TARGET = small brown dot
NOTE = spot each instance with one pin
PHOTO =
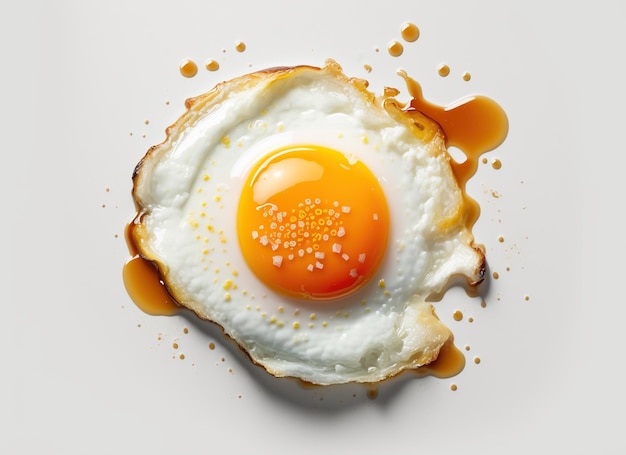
(467, 347)
(147, 122)
(500, 239)
(457, 315)
(495, 275)
(185, 330)
(527, 297)
(496, 164)
(175, 345)
(476, 360)
(466, 76)
(453, 387)
(211, 346)
(240, 46)
(181, 357)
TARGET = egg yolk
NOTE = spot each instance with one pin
(311, 223)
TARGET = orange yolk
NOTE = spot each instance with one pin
(311, 224)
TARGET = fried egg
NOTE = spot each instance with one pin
(311, 220)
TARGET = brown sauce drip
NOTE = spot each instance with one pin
(144, 284)
(449, 363)
(474, 124)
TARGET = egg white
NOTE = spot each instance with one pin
(188, 187)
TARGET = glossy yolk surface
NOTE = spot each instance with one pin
(311, 224)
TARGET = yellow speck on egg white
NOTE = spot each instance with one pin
(226, 141)
(273, 320)
(228, 284)
(381, 284)
(227, 296)
(210, 228)
(313, 316)
(296, 325)
(206, 177)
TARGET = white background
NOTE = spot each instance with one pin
(84, 371)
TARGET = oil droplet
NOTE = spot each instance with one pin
(211, 346)
(467, 347)
(453, 387)
(495, 275)
(484, 160)
(188, 68)
(175, 345)
(240, 46)
(476, 360)
(410, 32)
(146, 122)
(470, 320)
(443, 70)
(526, 297)
(496, 163)
(395, 48)
(500, 239)
(466, 76)
(212, 65)
(368, 68)
(483, 304)
(458, 315)
(185, 330)
(182, 357)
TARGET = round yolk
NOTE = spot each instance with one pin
(312, 224)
